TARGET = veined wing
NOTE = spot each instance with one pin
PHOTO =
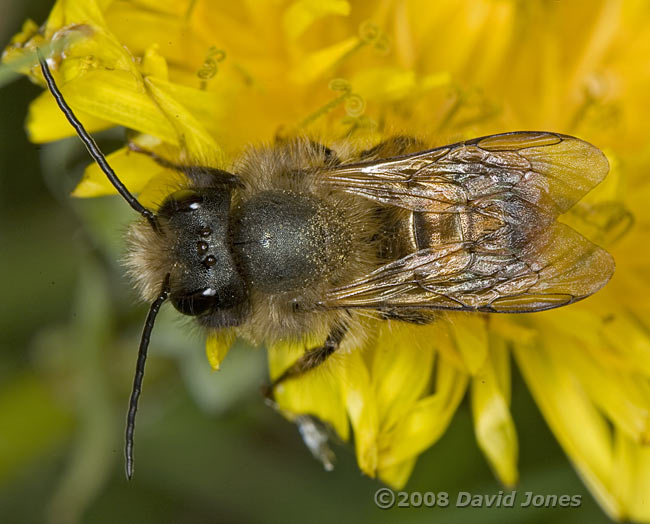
(548, 170)
(495, 245)
(559, 268)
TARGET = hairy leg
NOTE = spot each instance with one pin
(311, 359)
(330, 156)
(412, 316)
(204, 176)
(393, 146)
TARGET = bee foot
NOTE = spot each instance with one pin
(315, 435)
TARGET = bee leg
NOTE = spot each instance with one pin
(316, 435)
(394, 146)
(331, 158)
(311, 359)
(412, 316)
(202, 176)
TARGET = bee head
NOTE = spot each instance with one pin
(193, 247)
(204, 277)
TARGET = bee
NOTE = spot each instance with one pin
(302, 238)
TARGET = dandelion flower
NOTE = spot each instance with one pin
(207, 77)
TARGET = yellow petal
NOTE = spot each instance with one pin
(210, 110)
(435, 80)
(396, 476)
(17, 55)
(160, 186)
(358, 395)
(46, 122)
(470, 333)
(384, 84)
(192, 135)
(508, 327)
(217, 346)
(427, 420)
(170, 7)
(303, 13)
(622, 396)
(402, 363)
(154, 64)
(440, 333)
(140, 28)
(493, 424)
(28, 31)
(66, 12)
(610, 376)
(628, 336)
(316, 64)
(119, 97)
(134, 170)
(632, 473)
(580, 429)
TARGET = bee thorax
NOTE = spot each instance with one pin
(286, 240)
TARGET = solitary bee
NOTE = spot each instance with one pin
(302, 238)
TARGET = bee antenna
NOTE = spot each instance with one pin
(139, 375)
(91, 145)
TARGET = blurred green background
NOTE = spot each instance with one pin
(207, 448)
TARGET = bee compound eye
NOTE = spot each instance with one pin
(181, 202)
(196, 303)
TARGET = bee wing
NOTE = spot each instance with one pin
(490, 204)
(559, 268)
(548, 170)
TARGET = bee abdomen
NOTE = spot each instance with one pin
(493, 225)
(434, 229)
